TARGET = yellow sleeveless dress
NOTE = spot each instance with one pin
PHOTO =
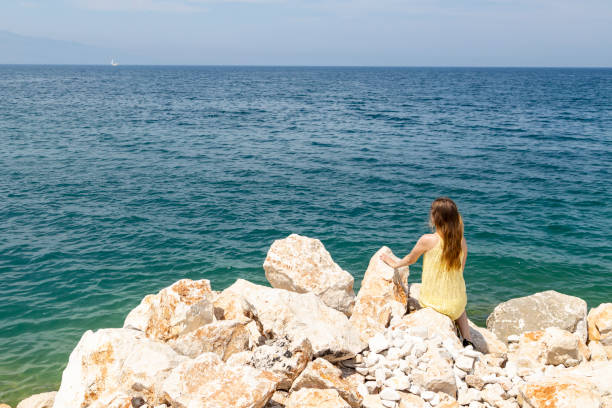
(442, 290)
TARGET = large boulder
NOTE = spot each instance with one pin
(115, 360)
(207, 382)
(224, 338)
(537, 312)
(436, 324)
(301, 264)
(44, 400)
(600, 326)
(552, 346)
(298, 316)
(321, 374)
(316, 398)
(560, 392)
(178, 309)
(382, 297)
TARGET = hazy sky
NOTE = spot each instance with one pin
(327, 32)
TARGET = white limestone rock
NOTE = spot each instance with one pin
(378, 343)
(438, 326)
(382, 297)
(564, 392)
(224, 337)
(115, 360)
(398, 382)
(537, 312)
(283, 358)
(316, 398)
(600, 326)
(284, 314)
(552, 346)
(389, 394)
(43, 400)
(321, 374)
(438, 375)
(176, 310)
(207, 382)
(301, 264)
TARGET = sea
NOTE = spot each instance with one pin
(117, 181)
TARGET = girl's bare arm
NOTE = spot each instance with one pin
(425, 243)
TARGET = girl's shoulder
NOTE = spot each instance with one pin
(429, 241)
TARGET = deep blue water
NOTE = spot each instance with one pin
(115, 182)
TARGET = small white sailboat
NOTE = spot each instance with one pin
(114, 63)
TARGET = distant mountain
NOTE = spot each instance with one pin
(19, 49)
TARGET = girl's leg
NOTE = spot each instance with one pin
(464, 327)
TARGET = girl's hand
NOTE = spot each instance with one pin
(389, 260)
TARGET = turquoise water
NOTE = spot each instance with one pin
(115, 182)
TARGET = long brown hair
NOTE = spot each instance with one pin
(447, 220)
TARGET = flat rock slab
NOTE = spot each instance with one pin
(207, 382)
(537, 312)
(566, 392)
(224, 337)
(298, 316)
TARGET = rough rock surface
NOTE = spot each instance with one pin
(301, 264)
(283, 358)
(321, 374)
(207, 382)
(600, 326)
(225, 337)
(439, 375)
(44, 400)
(436, 323)
(537, 312)
(567, 392)
(411, 401)
(316, 398)
(178, 309)
(599, 373)
(278, 399)
(113, 400)
(284, 314)
(486, 341)
(114, 360)
(552, 346)
(381, 298)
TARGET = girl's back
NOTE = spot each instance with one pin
(442, 289)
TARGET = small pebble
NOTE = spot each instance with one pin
(389, 394)
(428, 395)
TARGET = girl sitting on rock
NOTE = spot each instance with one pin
(445, 252)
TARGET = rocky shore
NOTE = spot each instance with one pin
(309, 341)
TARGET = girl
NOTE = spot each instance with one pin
(443, 287)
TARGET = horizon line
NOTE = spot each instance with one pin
(314, 66)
